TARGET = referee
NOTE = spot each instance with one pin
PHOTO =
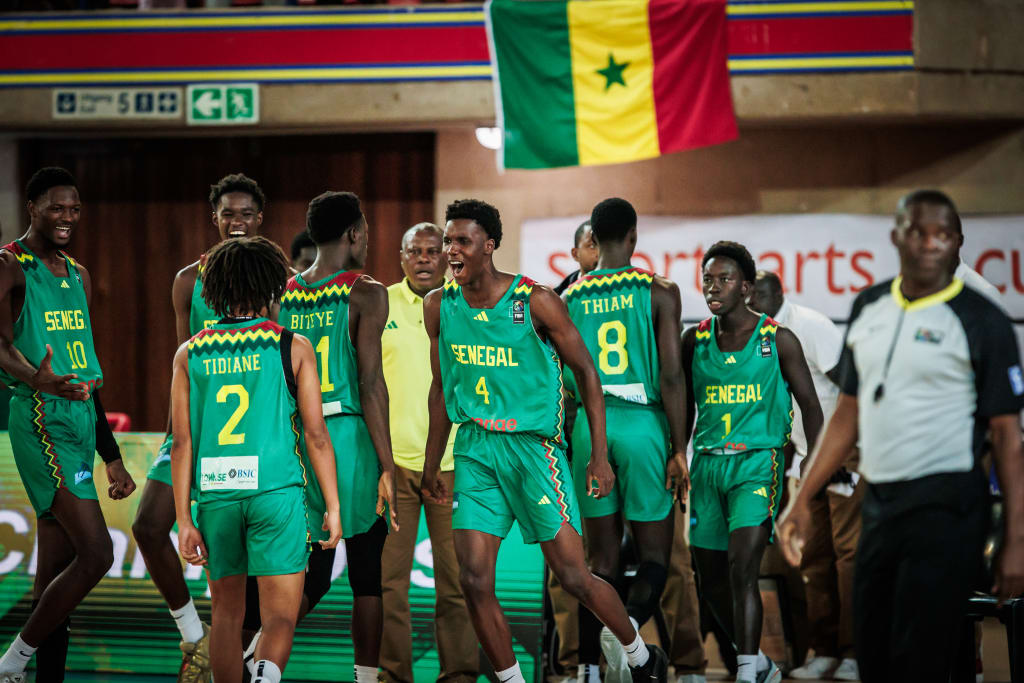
(405, 351)
(929, 366)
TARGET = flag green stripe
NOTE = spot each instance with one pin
(531, 44)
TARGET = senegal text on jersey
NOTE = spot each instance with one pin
(732, 393)
(607, 304)
(64, 320)
(478, 354)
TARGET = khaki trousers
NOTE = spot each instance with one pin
(680, 606)
(827, 568)
(453, 631)
(566, 613)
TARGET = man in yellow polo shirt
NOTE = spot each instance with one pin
(406, 355)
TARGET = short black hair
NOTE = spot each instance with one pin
(300, 242)
(771, 281)
(735, 251)
(244, 274)
(237, 182)
(480, 212)
(578, 237)
(331, 215)
(612, 219)
(936, 197)
(46, 178)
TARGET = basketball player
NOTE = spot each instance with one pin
(496, 339)
(343, 313)
(238, 391)
(629, 321)
(742, 367)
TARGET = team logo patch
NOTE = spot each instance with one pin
(766, 348)
(1016, 380)
(923, 334)
(518, 312)
(83, 473)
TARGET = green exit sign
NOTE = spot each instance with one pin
(219, 104)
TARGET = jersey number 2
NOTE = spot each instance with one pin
(227, 436)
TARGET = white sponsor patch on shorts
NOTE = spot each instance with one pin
(634, 393)
(229, 474)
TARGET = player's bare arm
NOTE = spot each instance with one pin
(190, 541)
(551, 320)
(119, 481)
(666, 307)
(839, 439)
(368, 308)
(689, 338)
(12, 288)
(318, 440)
(1009, 461)
(181, 298)
(798, 377)
(440, 426)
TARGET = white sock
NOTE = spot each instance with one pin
(266, 672)
(17, 656)
(366, 674)
(188, 622)
(588, 673)
(249, 656)
(637, 651)
(763, 663)
(746, 668)
(510, 675)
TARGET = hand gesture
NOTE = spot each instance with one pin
(386, 494)
(121, 483)
(434, 489)
(332, 525)
(677, 477)
(46, 381)
(602, 472)
(191, 545)
(792, 531)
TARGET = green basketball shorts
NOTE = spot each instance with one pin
(358, 472)
(263, 535)
(160, 470)
(54, 445)
(638, 450)
(501, 478)
(732, 491)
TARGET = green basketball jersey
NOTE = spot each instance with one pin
(319, 312)
(200, 314)
(743, 402)
(245, 423)
(496, 370)
(54, 312)
(612, 310)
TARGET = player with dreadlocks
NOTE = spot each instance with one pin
(238, 391)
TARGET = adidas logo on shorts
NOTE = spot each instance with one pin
(544, 500)
(761, 492)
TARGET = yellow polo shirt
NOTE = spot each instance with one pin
(405, 349)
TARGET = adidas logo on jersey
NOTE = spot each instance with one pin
(731, 360)
(64, 284)
(544, 500)
(481, 316)
(761, 492)
(391, 326)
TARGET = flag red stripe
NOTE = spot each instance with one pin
(807, 35)
(692, 101)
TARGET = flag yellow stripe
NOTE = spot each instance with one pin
(615, 121)
(739, 66)
(819, 7)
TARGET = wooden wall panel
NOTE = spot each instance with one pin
(146, 215)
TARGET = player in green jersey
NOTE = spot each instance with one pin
(496, 339)
(238, 391)
(343, 313)
(237, 203)
(57, 423)
(742, 367)
(629, 321)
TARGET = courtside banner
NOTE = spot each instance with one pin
(123, 626)
(824, 260)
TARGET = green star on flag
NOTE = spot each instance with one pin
(613, 72)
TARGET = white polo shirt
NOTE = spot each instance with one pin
(974, 280)
(822, 343)
(927, 374)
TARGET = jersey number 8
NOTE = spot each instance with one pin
(618, 347)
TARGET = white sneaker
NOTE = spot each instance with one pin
(691, 678)
(847, 670)
(815, 668)
(12, 677)
(615, 655)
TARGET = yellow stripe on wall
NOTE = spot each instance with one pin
(614, 121)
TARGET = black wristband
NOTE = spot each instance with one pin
(106, 444)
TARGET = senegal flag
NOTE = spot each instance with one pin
(584, 82)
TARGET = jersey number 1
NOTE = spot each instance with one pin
(323, 347)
